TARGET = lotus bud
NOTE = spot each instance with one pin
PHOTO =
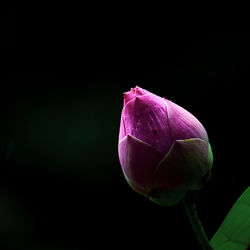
(163, 149)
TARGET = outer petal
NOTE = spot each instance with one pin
(145, 117)
(138, 161)
(185, 165)
(122, 132)
(166, 197)
(183, 124)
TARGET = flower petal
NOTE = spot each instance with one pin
(166, 197)
(183, 124)
(145, 117)
(185, 164)
(122, 132)
(138, 161)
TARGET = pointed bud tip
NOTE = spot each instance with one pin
(133, 93)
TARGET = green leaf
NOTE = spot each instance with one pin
(234, 232)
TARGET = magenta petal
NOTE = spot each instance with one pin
(138, 161)
(185, 164)
(122, 132)
(183, 124)
(145, 117)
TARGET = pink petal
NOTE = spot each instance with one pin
(122, 132)
(138, 161)
(185, 164)
(183, 124)
(145, 117)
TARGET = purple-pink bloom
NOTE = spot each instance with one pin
(164, 150)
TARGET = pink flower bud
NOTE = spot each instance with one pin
(163, 149)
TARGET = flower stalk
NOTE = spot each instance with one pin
(196, 224)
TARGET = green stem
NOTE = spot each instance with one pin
(197, 226)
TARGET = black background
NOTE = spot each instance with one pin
(62, 77)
